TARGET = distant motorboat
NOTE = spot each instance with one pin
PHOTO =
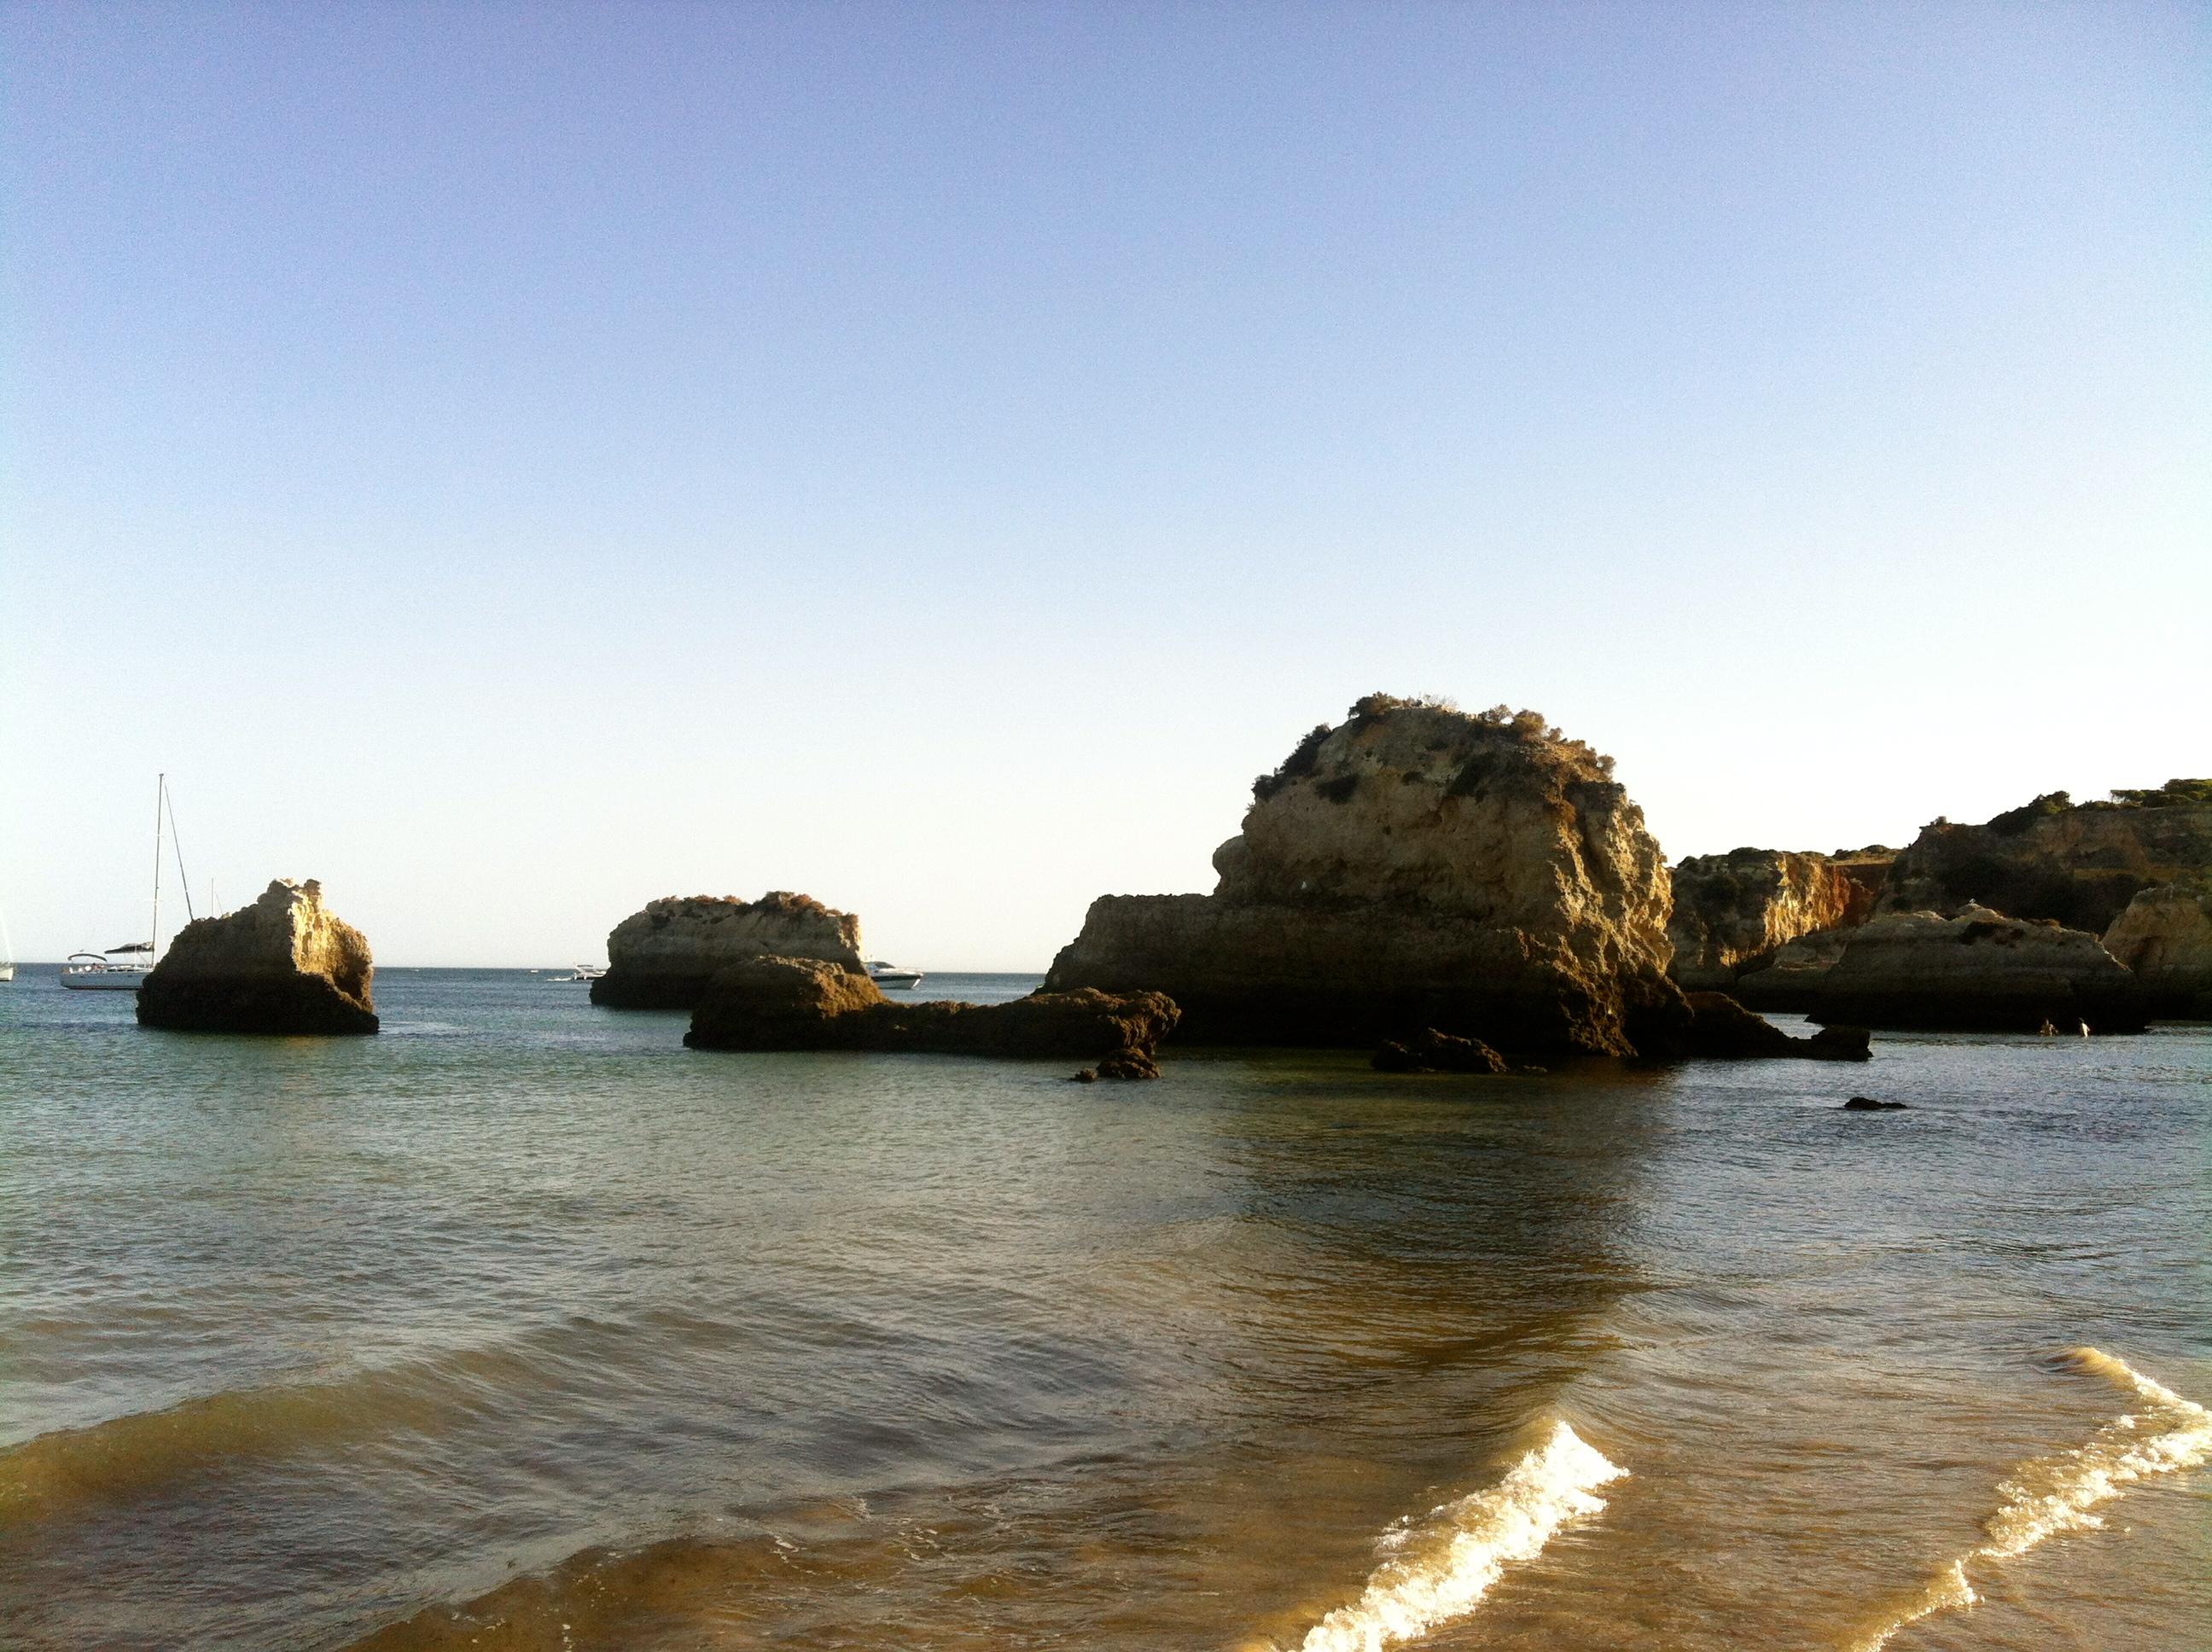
(889, 975)
(582, 972)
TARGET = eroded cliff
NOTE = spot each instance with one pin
(1732, 911)
(1978, 970)
(1414, 866)
(2077, 863)
(2165, 935)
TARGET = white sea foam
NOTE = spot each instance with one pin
(1440, 1568)
(2050, 1495)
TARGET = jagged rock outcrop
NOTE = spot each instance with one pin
(2165, 935)
(1413, 867)
(284, 964)
(1722, 1027)
(1732, 911)
(1430, 1051)
(810, 1004)
(1978, 971)
(2077, 863)
(662, 957)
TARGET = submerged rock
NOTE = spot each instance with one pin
(1732, 911)
(809, 1004)
(284, 964)
(1430, 1051)
(662, 957)
(1413, 867)
(2165, 935)
(2077, 863)
(1980, 971)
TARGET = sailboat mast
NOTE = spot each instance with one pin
(160, 793)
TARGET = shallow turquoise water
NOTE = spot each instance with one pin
(520, 1304)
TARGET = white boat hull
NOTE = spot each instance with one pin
(103, 981)
(7, 972)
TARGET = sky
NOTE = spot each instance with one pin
(511, 462)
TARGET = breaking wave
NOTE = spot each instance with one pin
(2047, 1496)
(1441, 1568)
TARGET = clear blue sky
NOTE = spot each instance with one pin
(514, 461)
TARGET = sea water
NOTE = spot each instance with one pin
(520, 1325)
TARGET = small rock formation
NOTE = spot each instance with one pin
(1733, 910)
(1722, 1027)
(662, 957)
(1430, 1051)
(1867, 1104)
(1980, 971)
(2165, 935)
(812, 1004)
(1413, 867)
(2076, 864)
(283, 965)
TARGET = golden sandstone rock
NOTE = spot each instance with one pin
(284, 964)
(1413, 867)
(662, 957)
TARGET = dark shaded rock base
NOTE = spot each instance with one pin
(307, 1005)
(1117, 1031)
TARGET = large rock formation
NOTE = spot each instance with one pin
(1732, 911)
(807, 1003)
(663, 957)
(1414, 867)
(1979, 971)
(2165, 935)
(283, 965)
(2078, 864)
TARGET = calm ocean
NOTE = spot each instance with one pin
(521, 1326)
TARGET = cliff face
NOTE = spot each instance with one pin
(662, 957)
(1979, 970)
(1413, 867)
(2165, 935)
(2079, 864)
(1734, 909)
(284, 964)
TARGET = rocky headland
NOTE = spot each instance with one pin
(2165, 935)
(1977, 971)
(1733, 911)
(810, 1004)
(285, 964)
(663, 957)
(2077, 863)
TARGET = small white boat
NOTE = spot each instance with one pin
(100, 972)
(95, 972)
(582, 972)
(889, 975)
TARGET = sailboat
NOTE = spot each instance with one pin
(124, 969)
(7, 953)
